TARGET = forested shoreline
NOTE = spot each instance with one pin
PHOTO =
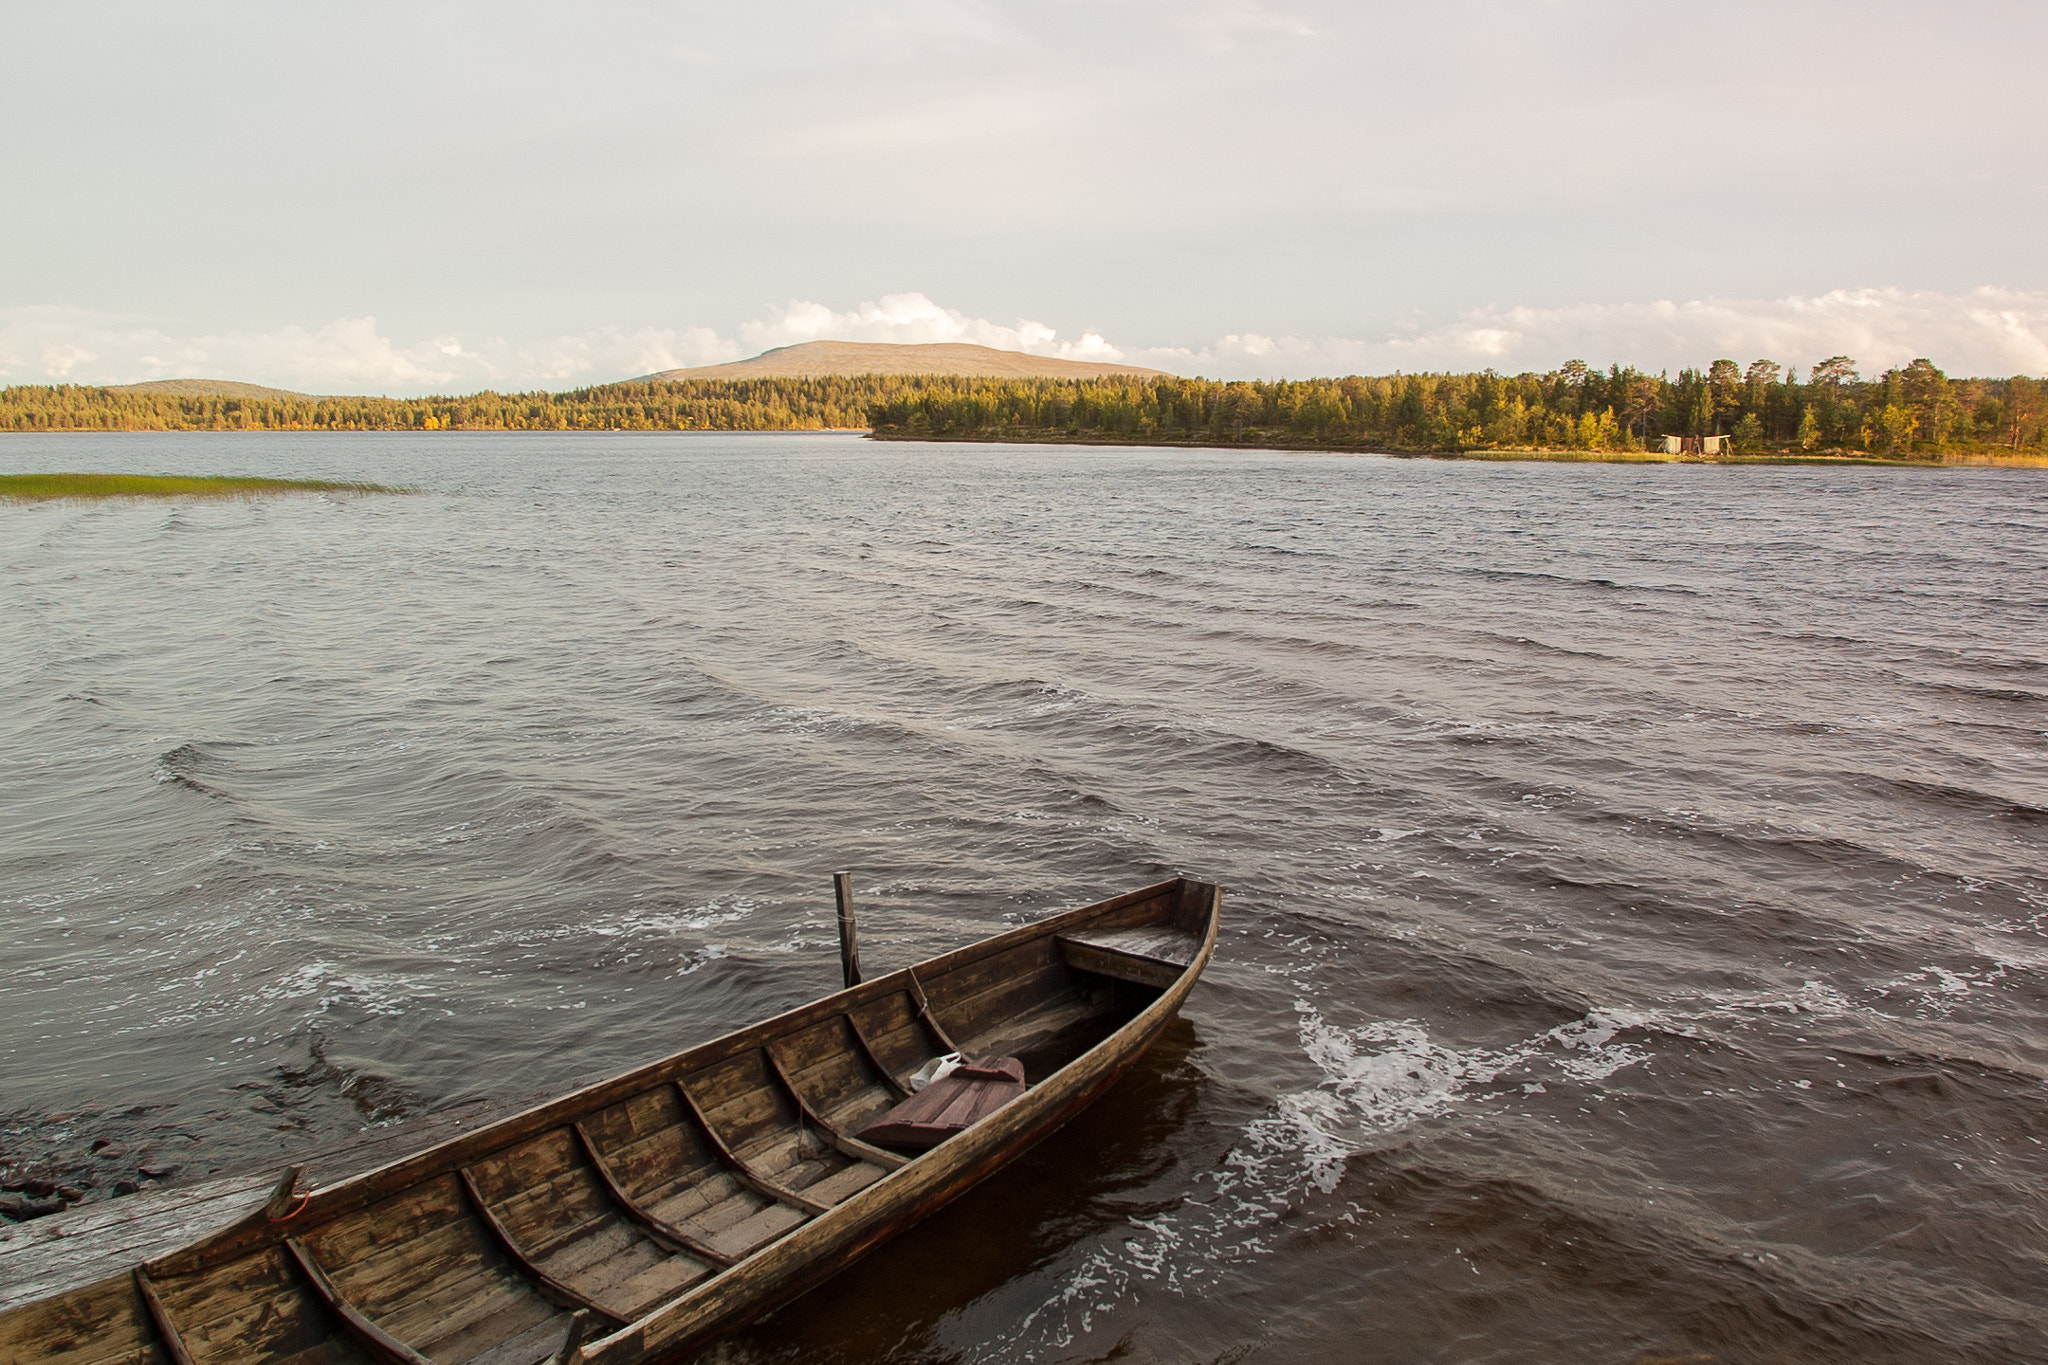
(1910, 412)
(689, 405)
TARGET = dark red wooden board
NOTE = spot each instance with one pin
(955, 1101)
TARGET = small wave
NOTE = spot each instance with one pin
(1572, 581)
(1284, 550)
(1961, 798)
(1543, 647)
(1987, 693)
(377, 1097)
(181, 766)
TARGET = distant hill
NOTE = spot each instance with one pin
(817, 359)
(207, 388)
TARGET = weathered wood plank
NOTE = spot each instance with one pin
(848, 1145)
(925, 1015)
(1161, 942)
(398, 1272)
(890, 1028)
(707, 1203)
(550, 1288)
(1027, 1035)
(639, 1214)
(284, 1323)
(70, 1250)
(744, 1172)
(571, 1262)
(847, 1182)
(482, 1306)
(655, 1284)
(332, 1350)
(368, 1334)
(549, 1339)
(633, 1118)
(671, 1156)
(949, 1105)
(849, 933)
(874, 1058)
(862, 1105)
(102, 1322)
(767, 1224)
(160, 1318)
(389, 1224)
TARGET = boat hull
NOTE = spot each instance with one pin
(643, 1217)
(970, 1158)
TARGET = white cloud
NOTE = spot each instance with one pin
(347, 355)
(915, 320)
(1987, 331)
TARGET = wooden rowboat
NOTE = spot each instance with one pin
(644, 1216)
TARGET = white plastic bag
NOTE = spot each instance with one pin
(933, 1070)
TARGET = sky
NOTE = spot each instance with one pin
(422, 197)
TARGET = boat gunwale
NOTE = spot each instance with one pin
(358, 1192)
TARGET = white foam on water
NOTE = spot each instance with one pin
(324, 985)
(1379, 1079)
(1929, 992)
(627, 926)
(1383, 1077)
(1813, 997)
(809, 720)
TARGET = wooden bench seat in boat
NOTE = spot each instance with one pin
(954, 1102)
(1150, 955)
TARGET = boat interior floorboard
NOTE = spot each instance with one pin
(756, 1230)
(466, 1316)
(539, 1343)
(333, 1351)
(490, 1325)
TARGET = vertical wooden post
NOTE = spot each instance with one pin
(849, 936)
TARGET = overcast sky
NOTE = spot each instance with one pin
(412, 197)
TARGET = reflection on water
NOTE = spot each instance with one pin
(1634, 875)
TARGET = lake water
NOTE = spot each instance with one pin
(1636, 877)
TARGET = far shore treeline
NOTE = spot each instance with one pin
(1910, 412)
(1914, 412)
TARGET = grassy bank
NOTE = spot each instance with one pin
(1281, 442)
(1945, 461)
(1660, 457)
(49, 487)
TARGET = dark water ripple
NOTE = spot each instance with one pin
(1637, 876)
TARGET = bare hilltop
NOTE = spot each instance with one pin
(206, 388)
(819, 359)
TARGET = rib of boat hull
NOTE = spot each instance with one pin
(645, 1216)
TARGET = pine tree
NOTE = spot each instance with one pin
(1809, 429)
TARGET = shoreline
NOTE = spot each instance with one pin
(1961, 460)
(59, 487)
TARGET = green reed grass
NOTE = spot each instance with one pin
(47, 487)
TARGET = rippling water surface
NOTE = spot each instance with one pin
(1636, 877)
